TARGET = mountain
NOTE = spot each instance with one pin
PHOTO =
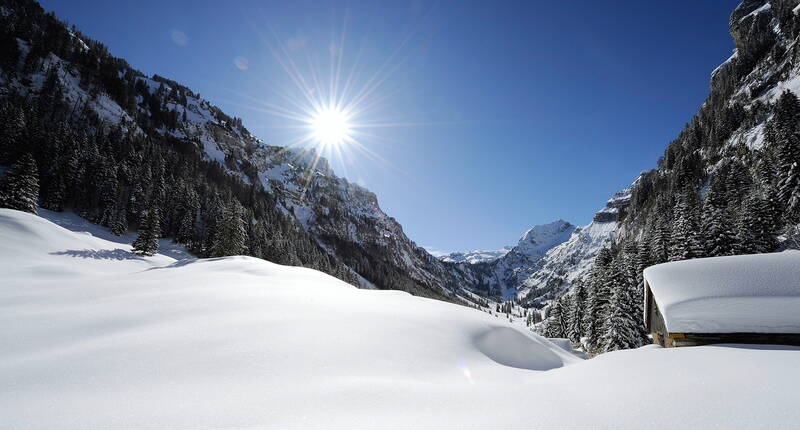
(574, 258)
(115, 146)
(728, 184)
(476, 256)
(531, 246)
(500, 277)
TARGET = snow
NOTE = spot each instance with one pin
(731, 58)
(73, 222)
(767, 6)
(212, 151)
(237, 342)
(792, 84)
(541, 238)
(737, 294)
(471, 257)
(753, 138)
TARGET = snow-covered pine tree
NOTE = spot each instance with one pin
(642, 257)
(737, 182)
(598, 297)
(719, 237)
(782, 132)
(118, 222)
(684, 243)
(230, 236)
(187, 214)
(108, 192)
(19, 188)
(621, 329)
(147, 241)
(659, 241)
(54, 198)
(789, 186)
(555, 325)
(12, 132)
(577, 308)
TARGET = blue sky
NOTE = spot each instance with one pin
(495, 116)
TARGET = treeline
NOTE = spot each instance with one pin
(702, 201)
(157, 184)
(712, 194)
(61, 155)
(129, 181)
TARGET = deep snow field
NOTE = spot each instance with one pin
(92, 336)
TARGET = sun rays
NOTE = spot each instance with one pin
(332, 96)
(331, 127)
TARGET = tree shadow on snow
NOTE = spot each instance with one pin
(101, 254)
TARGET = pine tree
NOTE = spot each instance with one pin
(789, 187)
(621, 330)
(147, 241)
(12, 133)
(659, 242)
(119, 222)
(755, 227)
(718, 233)
(782, 131)
(596, 309)
(642, 258)
(555, 326)
(577, 308)
(230, 237)
(19, 188)
(684, 242)
(54, 198)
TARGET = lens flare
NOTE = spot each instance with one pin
(332, 101)
(330, 127)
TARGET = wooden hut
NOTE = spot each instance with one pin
(751, 299)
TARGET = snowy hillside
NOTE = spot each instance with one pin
(549, 257)
(96, 337)
(89, 108)
(533, 244)
(476, 256)
(574, 257)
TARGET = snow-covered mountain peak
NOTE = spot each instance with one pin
(539, 239)
(533, 244)
(476, 256)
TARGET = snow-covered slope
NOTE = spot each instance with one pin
(96, 337)
(344, 219)
(501, 276)
(548, 258)
(533, 244)
(476, 256)
(573, 258)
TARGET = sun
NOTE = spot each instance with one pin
(330, 127)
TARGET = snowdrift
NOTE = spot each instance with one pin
(95, 337)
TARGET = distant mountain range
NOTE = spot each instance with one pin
(140, 144)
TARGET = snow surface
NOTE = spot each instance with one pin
(737, 294)
(96, 337)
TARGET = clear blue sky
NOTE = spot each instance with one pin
(499, 115)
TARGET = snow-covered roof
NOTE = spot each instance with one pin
(736, 294)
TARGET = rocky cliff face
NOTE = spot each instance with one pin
(574, 258)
